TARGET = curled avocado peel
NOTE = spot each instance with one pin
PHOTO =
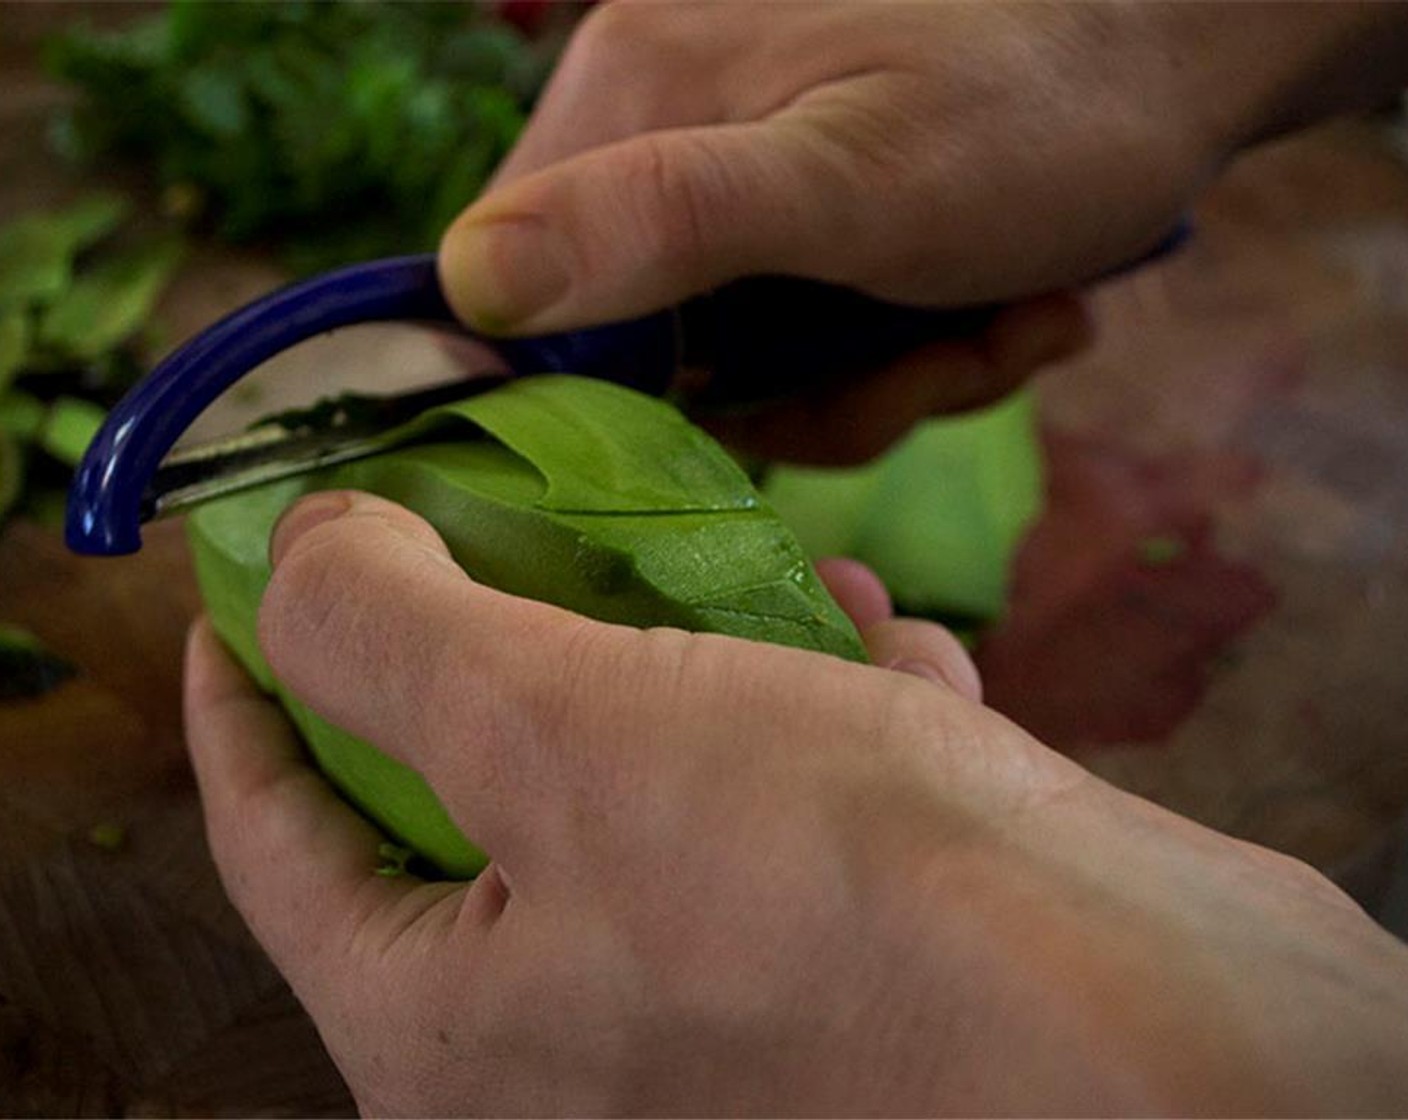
(567, 490)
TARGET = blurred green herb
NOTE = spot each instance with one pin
(338, 130)
(74, 301)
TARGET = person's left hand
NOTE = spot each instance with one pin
(730, 877)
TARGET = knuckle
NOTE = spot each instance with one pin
(611, 695)
(677, 188)
(616, 38)
(572, 702)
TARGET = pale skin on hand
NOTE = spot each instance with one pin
(737, 878)
(933, 154)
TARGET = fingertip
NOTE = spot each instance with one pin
(302, 517)
(857, 590)
(1038, 332)
(465, 274)
(223, 710)
(298, 522)
(924, 649)
(502, 263)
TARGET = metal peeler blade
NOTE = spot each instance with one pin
(334, 430)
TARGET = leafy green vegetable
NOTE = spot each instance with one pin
(394, 859)
(106, 305)
(71, 307)
(11, 473)
(938, 517)
(37, 251)
(14, 344)
(22, 415)
(567, 490)
(341, 130)
(69, 428)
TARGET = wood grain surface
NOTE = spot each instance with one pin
(1247, 402)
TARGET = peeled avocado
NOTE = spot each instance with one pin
(939, 517)
(567, 490)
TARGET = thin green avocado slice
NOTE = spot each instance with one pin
(570, 491)
(939, 517)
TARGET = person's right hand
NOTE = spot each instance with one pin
(931, 154)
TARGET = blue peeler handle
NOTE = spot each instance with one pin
(105, 497)
(759, 338)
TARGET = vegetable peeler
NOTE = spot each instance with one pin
(759, 338)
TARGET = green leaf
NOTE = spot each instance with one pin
(939, 517)
(109, 302)
(311, 121)
(570, 491)
(37, 250)
(11, 473)
(393, 860)
(69, 428)
(213, 100)
(36, 259)
(485, 55)
(14, 344)
(46, 506)
(91, 218)
(21, 415)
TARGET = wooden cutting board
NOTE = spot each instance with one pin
(126, 980)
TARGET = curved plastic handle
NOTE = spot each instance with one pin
(105, 497)
(761, 338)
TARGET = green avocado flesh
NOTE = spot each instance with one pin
(566, 490)
(939, 517)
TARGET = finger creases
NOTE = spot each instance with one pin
(639, 224)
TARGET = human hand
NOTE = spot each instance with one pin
(928, 154)
(736, 878)
(619, 223)
(932, 154)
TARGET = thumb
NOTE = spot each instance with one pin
(644, 223)
(531, 723)
(369, 621)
